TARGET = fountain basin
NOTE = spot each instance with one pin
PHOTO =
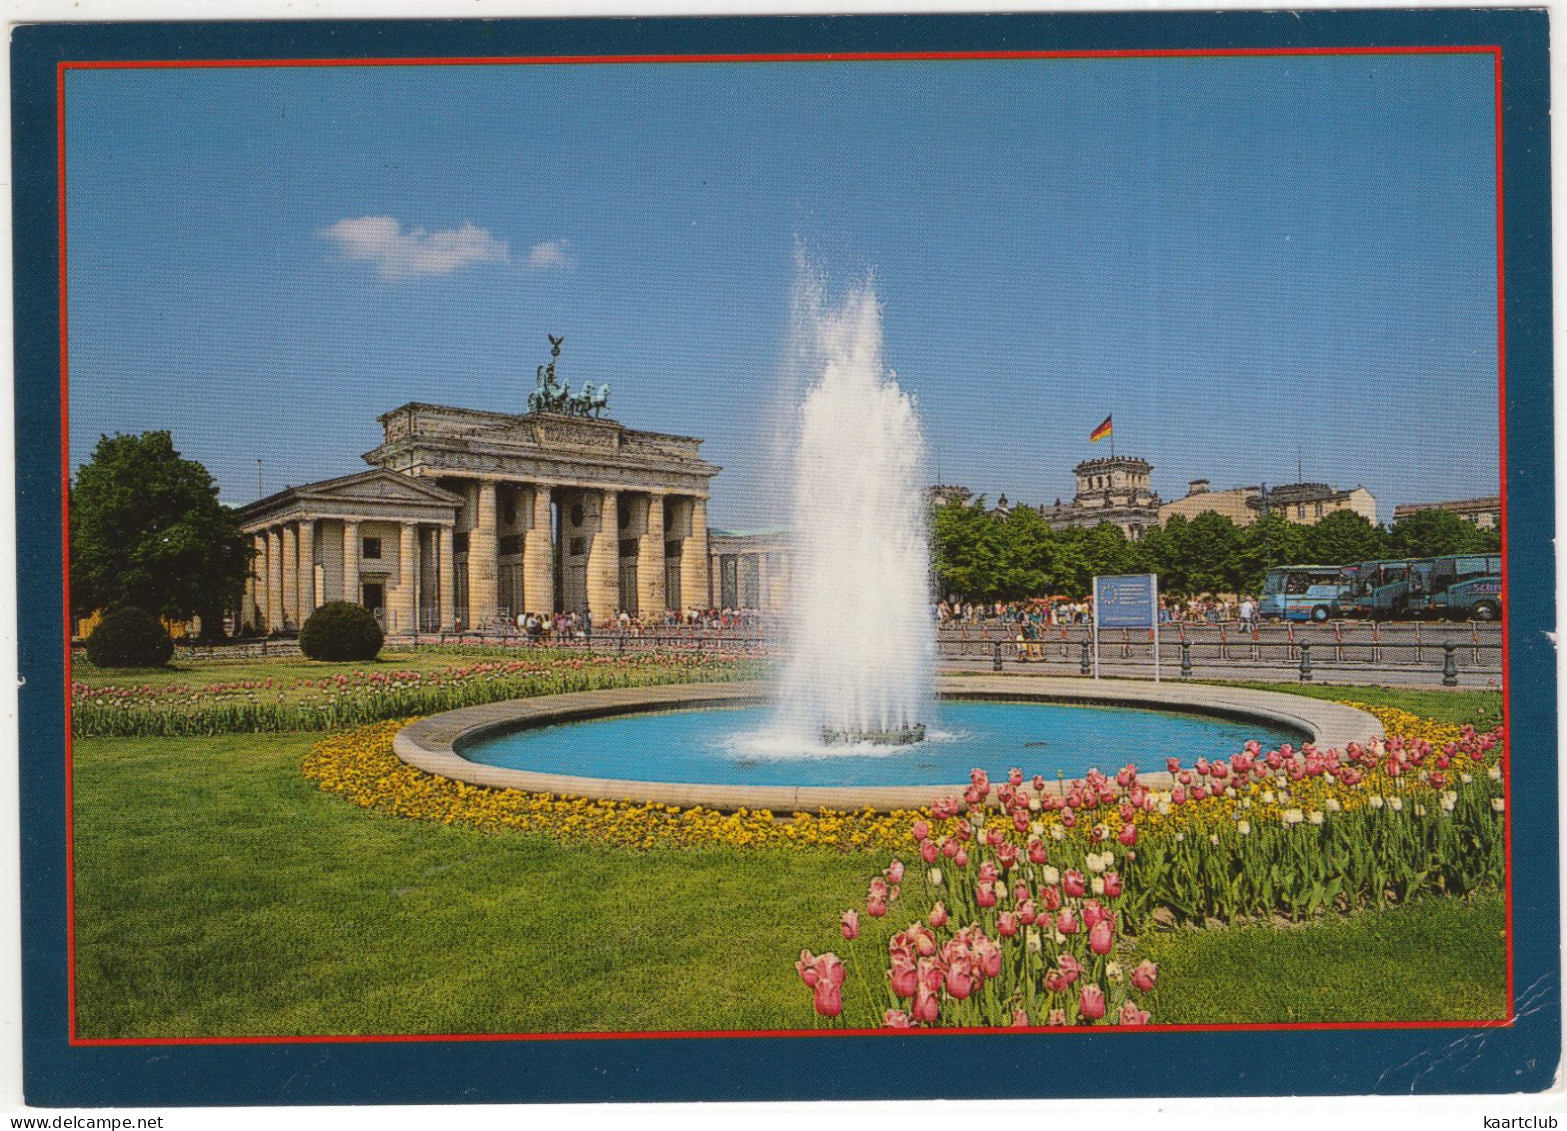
(436, 744)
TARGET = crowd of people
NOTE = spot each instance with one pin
(563, 626)
(1050, 612)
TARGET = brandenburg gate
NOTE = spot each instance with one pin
(468, 518)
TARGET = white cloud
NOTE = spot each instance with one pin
(552, 254)
(399, 254)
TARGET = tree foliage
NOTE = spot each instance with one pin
(341, 630)
(147, 530)
(983, 555)
(130, 638)
(1433, 533)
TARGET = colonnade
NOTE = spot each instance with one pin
(283, 588)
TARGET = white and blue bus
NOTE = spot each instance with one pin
(1302, 592)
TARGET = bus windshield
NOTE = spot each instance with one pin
(1292, 581)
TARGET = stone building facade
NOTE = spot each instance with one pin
(750, 569)
(469, 518)
(1303, 503)
(1485, 512)
(1115, 489)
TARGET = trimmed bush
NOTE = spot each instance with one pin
(339, 630)
(130, 638)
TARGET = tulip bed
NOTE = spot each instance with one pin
(354, 697)
(1029, 898)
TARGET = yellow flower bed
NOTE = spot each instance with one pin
(1402, 724)
(361, 766)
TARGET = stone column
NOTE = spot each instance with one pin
(650, 563)
(256, 583)
(290, 564)
(715, 581)
(405, 602)
(274, 580)
(483, 559)
(538, 556)
(308, 599)
(351, 546)
(694, 573)
(604, 562)
(761, 582)
(446, 582)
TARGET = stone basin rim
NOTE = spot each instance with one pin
(433, 744)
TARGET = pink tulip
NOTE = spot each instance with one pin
(921, 830)
(895, 872)
(1074, 883)
(938, 915)
(1036, 852)
(850, 924)
(960, 858)
(1006, 925)
(1131, 1015)
(878, 888)
(1057, 982)
(985, 894)
(807, 968)
(988, 872)
(989, 956)
(896, 1019)
(1099, 940)
(928, 851)
(1007, 854)
(1094, 914)
(960, 980)
(950, 848)
(1019, 1019)
(1178, 796)
(1091, 1003)
(1112, 884)
(927, 1006)
(1050, 899)
(1020, 821)
(829, 998)
(1066, 922)
(1039, 783)
(1143, 977)
(904, 980)
(1128, 835)
(1069, 967)
(876, 908)
(921, 938)
(1026, 913)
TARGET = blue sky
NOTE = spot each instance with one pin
(1240, 258)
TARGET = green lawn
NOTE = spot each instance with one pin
(1482, 709)
(220, 893)
(1436, 959)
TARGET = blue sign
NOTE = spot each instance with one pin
(1127, 602)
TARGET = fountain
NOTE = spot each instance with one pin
(861, 641)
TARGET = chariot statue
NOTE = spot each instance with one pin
(552, 395)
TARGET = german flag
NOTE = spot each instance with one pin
(1101, 432)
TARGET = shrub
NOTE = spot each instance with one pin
(339, 630)
(130, 638)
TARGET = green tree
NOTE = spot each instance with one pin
(1270, 541)
(1211, 553)
(1345, 537)
(147, 530)
(966, 547)
(1433, 533)
(1026, 553)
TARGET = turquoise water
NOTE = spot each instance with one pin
(730, 746)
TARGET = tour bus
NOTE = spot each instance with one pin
(1455, 587)
(1302, 592)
